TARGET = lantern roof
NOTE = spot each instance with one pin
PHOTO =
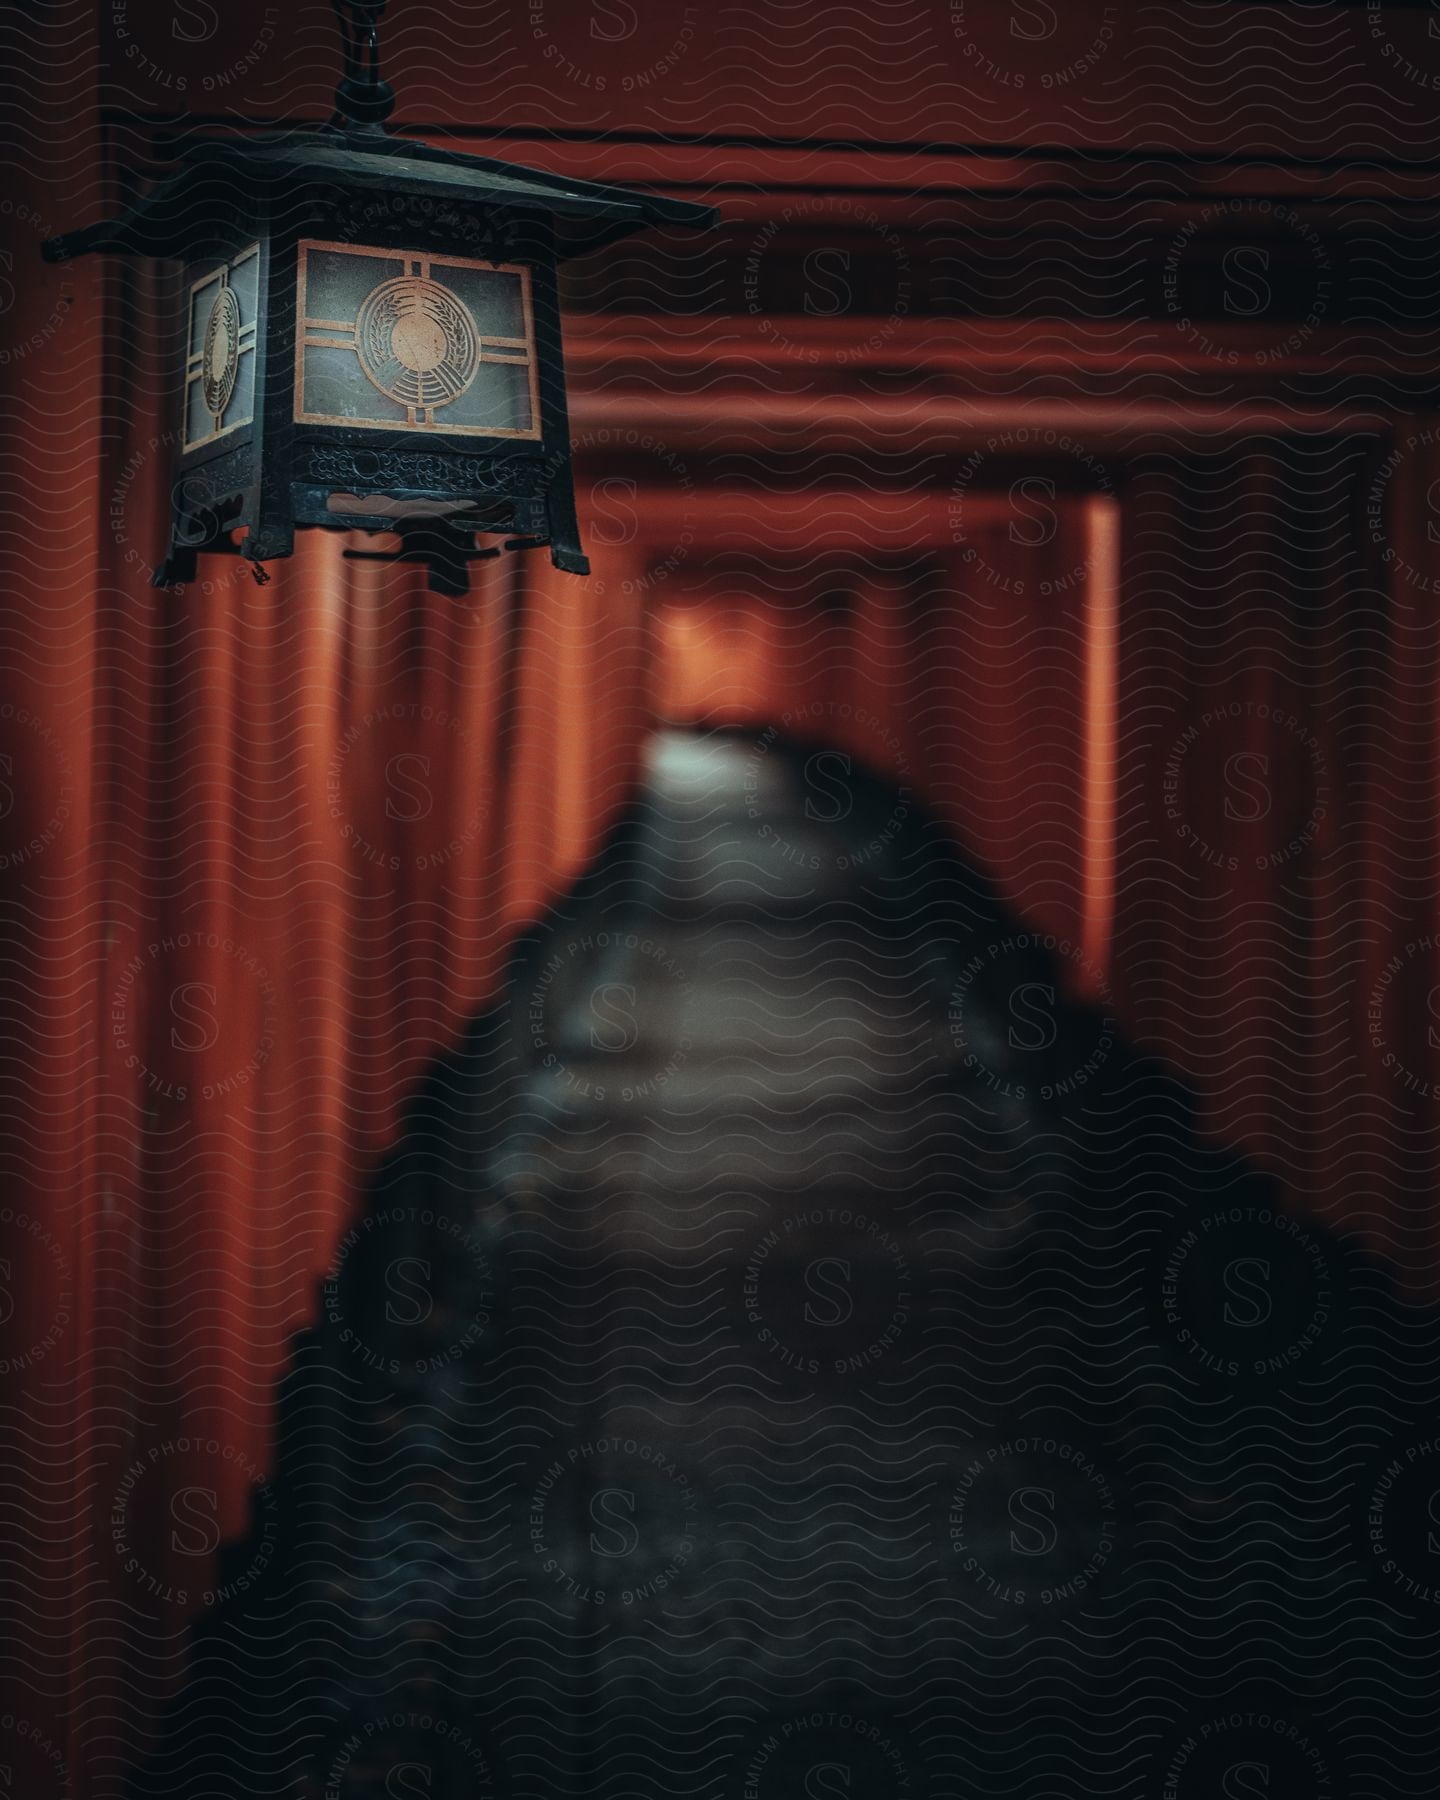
(220, 177)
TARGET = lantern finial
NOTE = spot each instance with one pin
(364, 100)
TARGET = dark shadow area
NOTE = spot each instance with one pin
(798, 1348)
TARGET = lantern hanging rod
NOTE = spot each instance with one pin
(364, 100)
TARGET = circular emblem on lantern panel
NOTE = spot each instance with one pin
(221, 357)
(416, 342)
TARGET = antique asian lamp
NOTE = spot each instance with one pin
(371, 337)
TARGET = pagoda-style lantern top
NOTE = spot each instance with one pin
(371, 335)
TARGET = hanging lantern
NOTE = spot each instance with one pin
(371, 335)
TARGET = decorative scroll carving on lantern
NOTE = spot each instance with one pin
(384, 469)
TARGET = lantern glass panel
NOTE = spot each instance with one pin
(245, 279)
(407, 340)
(202, 298)
(220, 350)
